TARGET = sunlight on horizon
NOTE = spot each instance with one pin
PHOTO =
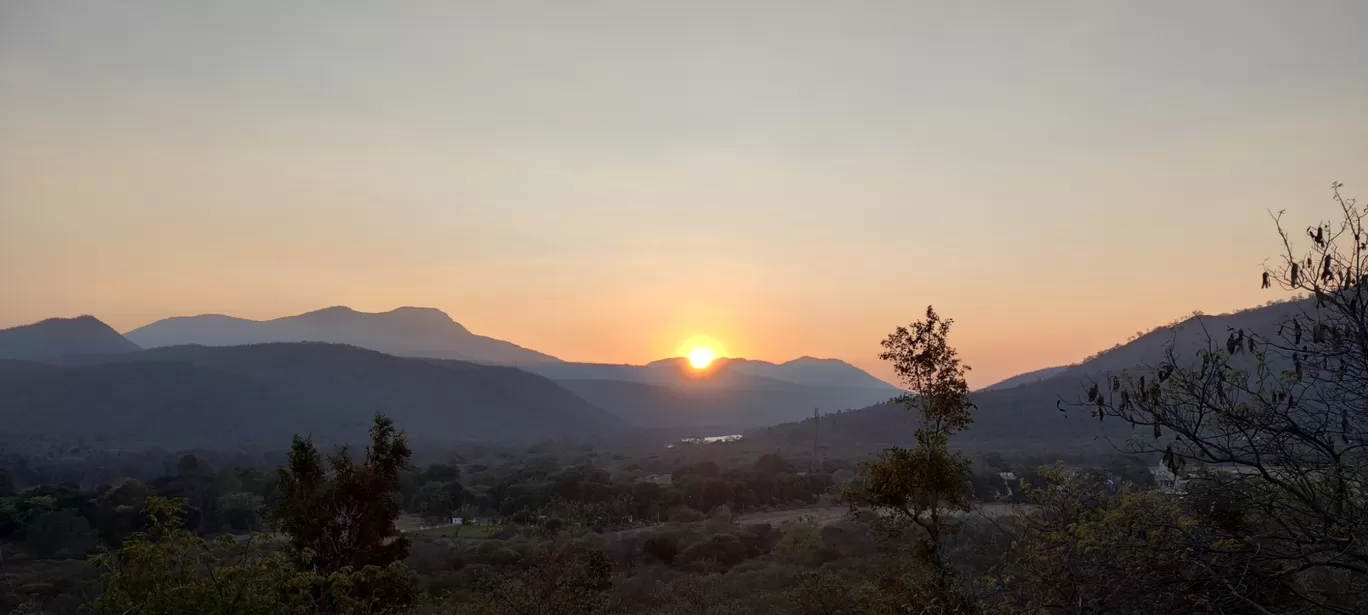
(701, 351)
(701, 358)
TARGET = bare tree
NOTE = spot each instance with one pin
(1272, 423)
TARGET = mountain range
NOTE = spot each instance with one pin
(309, 373)
(729, 394)
(77, 378)
(260, 394)
(405, 332)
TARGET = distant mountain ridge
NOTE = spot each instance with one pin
(405, 331)
(804, 371)
(223, 397)
(55, 337)
(736, 393)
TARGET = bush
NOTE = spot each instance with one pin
(684, 514)
(662, 545)
(717, 552)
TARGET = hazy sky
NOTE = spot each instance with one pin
(601, 180)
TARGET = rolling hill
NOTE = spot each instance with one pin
(56, 337)
(218, 397)
(406, 331)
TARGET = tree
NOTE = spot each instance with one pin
(770, 463)
(440, 472)
(555, 578)
(241, 511)
(799, 543)
(1273, 422)
(439, 500)
(168, 570)
(1081, 548)
(917, 487)
(6, 483)
(54, 531)
(344, 519)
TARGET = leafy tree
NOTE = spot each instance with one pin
(52, 532)
(345, 516)
(662, 545)
(191, 465)
(241, 511)
(556, 578)
(1079, 547)
(126, 492)
(168, 570)
(6, 483)
(800, 543)
(439, 500)
(770, 463)
(917, 487)
(343, 519)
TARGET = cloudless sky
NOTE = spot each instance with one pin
(602, 180)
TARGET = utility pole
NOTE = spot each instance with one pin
(816, 430)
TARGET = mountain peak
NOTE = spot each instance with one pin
(55, 337)
(404, 331)
(424, 314)
(807, 360)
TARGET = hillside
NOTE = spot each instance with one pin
(56, 337)
(1019, 420)
(406, 331)
(1028, 377)
(1189, 335)
(151, 404)
(1024, 416)
(268, 389)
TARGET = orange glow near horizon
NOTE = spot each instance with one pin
(791, 187)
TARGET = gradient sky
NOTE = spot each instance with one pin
(602, 180)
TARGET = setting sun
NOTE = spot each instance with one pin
(701, 351)
(700, 358)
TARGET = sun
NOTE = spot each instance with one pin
(701, 351)
(700, 358)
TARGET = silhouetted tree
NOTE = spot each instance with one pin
(1273, 425)
(917, 487)
(344, 518)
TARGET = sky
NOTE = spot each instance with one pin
(603, 180)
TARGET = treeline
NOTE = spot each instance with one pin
(603, 499)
